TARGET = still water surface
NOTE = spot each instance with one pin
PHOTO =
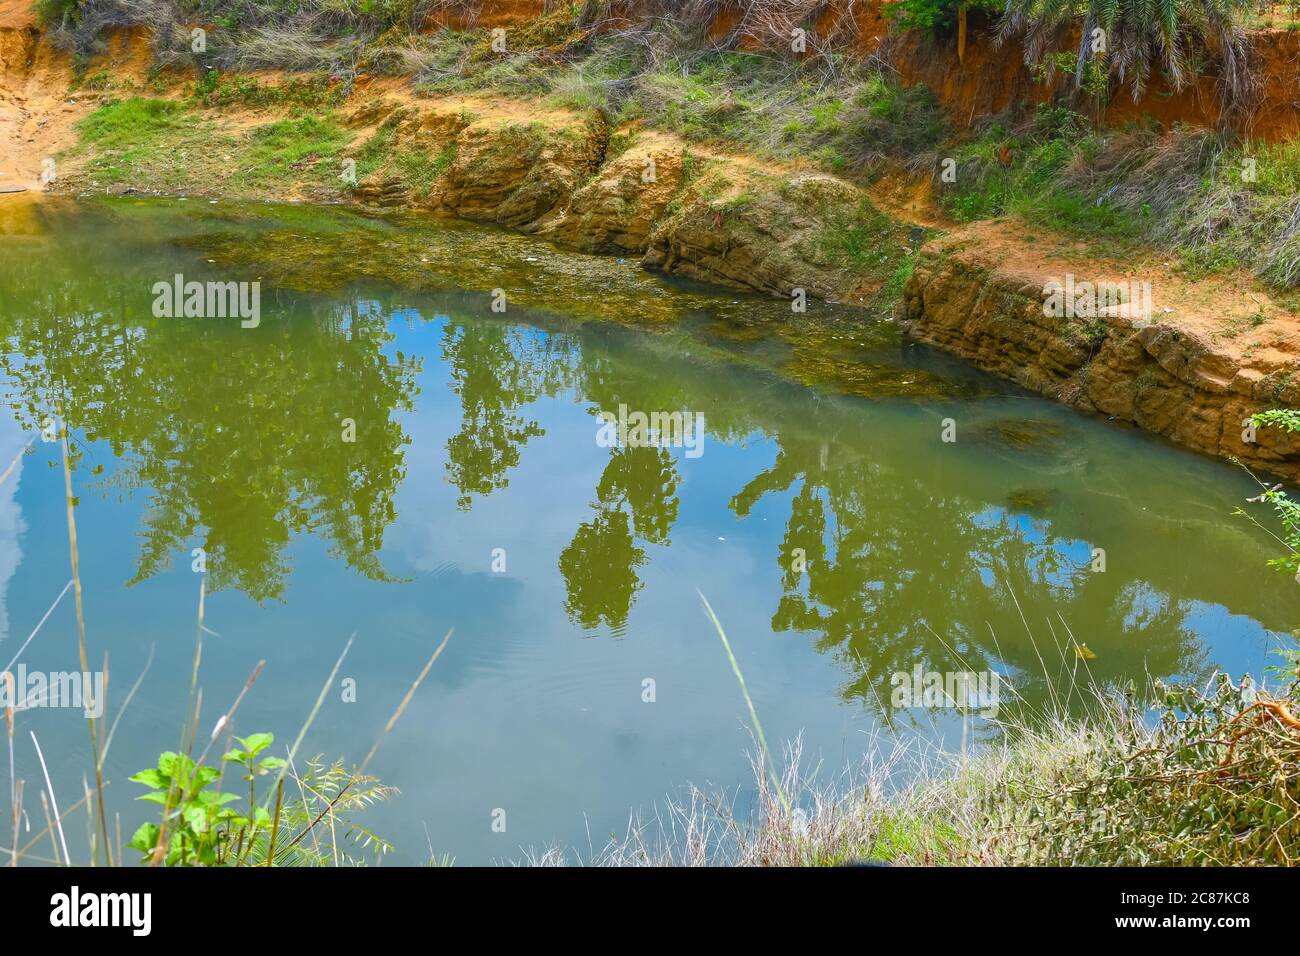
(476, 442)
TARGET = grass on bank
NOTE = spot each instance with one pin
(312, 92)
(165, 145)
(845, 113)
(153, 141)
(417, 166)
(306, 145)
(138, 139)
(1193, 776)
(1217, 202)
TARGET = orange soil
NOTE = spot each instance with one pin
(994, 78)
(491, 13)
(38, 112)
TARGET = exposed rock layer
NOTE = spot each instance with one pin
(1165, 378)
(633, 192)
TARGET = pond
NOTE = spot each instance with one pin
(410, 439)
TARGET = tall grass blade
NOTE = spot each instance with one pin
(405, 700)
(108, 740)
(311, 718)
(54, 803)
(81, 637)
(753, 714)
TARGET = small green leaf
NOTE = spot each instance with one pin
(204, 776)
(256, 743)
(145, 838)
(167, 763)
(211, 798)
(151, 778)
(197, 817)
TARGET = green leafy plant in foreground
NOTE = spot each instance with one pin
(198, 820)
(316, 824)
(247, 757)
(201, 823)
(204, 829)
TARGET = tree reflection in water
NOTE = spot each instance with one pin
(235, 440)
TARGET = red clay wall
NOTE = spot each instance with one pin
(992, 78)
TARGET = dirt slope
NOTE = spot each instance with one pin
(992, 76)
(38, 107)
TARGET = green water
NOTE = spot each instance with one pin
(839, 538)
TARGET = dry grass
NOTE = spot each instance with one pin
(904, 804)
(1180, 775)
(1219, 202)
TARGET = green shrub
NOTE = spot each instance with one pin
(934, 15)
(51, 12)
(200, 826)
